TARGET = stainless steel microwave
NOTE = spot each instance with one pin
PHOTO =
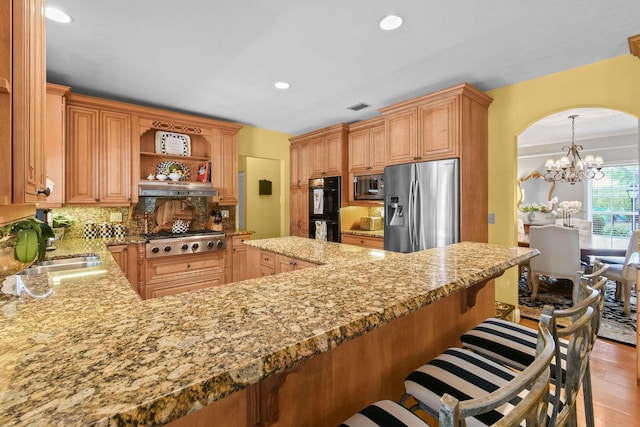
(368, 187)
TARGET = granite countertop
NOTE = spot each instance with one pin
(367, 233)
(94, 353)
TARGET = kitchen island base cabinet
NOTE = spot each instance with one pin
(130, 259)
(262, 263)
(330, 387)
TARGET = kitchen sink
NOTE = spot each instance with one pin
(60, 264)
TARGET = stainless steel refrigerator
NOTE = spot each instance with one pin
(422, 205)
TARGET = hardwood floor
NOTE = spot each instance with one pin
(616, 394)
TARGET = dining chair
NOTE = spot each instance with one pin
(622, 271)
(559, 255)
(585, 230)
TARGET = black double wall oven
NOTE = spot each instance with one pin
(324, 209)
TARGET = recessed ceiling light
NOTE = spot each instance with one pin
(282, 85)
(57, 15)
(390, 22)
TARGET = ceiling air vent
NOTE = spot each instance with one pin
(358, 106)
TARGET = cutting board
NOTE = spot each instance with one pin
(169, 210)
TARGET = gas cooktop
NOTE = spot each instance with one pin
(190, 233)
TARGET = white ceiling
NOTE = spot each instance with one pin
(221, 58)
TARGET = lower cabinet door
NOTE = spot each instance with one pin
(157, 291)
(175, 274)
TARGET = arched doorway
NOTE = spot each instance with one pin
(599, 131)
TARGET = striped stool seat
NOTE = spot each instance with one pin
(509, 343)
(464, 375)
(385, 413)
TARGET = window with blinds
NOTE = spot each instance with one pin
(614, 202)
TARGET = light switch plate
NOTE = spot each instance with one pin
(492, 218)
(225, 214)
(115, 217)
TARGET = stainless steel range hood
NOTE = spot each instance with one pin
(175, 189)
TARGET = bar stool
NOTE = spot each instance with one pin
(466, 374)
(515, 345)
(528, 391)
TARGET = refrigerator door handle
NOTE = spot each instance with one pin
(410, 217)
(416, 213)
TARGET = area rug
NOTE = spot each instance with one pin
(615, 326)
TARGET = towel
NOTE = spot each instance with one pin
(321, 230)
(318, 201)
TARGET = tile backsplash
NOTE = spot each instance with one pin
(133, 217)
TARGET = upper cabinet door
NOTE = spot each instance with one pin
(229, 164)
(318, 156)
(378, 148)
(298, 158)
(359, 151)
(401, 137)
(334, 146)
(28, 83)
(81, 159)
(437, 132)
(114, 158)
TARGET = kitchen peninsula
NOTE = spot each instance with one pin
(286, 349)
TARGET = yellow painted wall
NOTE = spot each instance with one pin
(613, 83)
(266, 144)
(263, 211)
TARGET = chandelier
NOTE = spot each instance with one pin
(572, 168)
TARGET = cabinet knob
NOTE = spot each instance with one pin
(46, 192)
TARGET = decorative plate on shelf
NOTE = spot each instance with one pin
(165, 168)
(178, 144)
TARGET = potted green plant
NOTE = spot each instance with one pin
(21, 243)
(60, 222)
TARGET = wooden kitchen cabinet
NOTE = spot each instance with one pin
(367, 148)
(98, 156)
(299, 189)
(22, 106)
(236, 258)
(299, 165)
(228, 168)
(265, 263)
(175, 274)
(437, 131)
(285, 264)
(328, 150)
(299, 212)
(434, 126)
(128, 258)
(55, 131)
(363, 241)
(401, 136)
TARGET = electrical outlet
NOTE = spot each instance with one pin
(492, 218)
(225, 214)
(115, 217)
